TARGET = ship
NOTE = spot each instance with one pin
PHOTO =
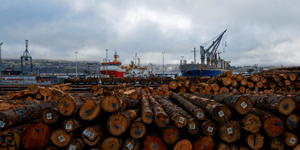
(116, 69)
(214, 65)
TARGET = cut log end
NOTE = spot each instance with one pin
(89, 110)
(222, 113)
(138, 130)
(276, 144)
(255, 140)
(148, 117)
(154, 143)
(111, 143)
(50, 115)
(204, 143)
(10, 136)
(180, 121)
(183, 145)
(170, 135)
(110, 103)
(287, 105)
(117, 124)
(273, 126)
(131, 144)
(292, 121)
(92, 136)
(251, 123)
(243, 105)
(60, 138)
(66, 106)
(230, 131)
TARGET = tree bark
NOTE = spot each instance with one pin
(161, 117)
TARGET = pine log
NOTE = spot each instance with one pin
(230, 131)
(226, 81)
(244, 82)
(180, 84)
(93, 134)
(170, 135)
(73, 124)
(254, 140)
(33, 89)
(224, 91)
(50, 115)
(221, 146)
(289, 139)
(251, 123)
(194, 110)
(76, 143)
(119, 122)
(23, 114)
(239, 77)
(239, 103)
(292, 121)
(129, 103)
(112, 103)
(234, 83)
(90, 110)
(182, 89)
(112, 143)
(173, 85)
(209, 127)
(215, 87)
(152, 142)
(283, 104)
(69, 105)
(61, 138)
(276, 144)
(204, 143)
(146, 110)
(193, 125)
(161, 118)
(183, 144)
(131, 144)
(51, 147)
(217, 111)
(272, 125)
(242, 89)
(176, 116)
(138, 129)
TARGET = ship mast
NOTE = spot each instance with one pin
(195, 58)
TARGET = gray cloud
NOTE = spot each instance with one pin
(259, 32)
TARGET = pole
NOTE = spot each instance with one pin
(163, 62)
(106, 61)
(76, 64)
(0, 61)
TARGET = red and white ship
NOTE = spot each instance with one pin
(116, 69)
(113, 69)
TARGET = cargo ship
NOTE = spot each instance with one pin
(214, 65)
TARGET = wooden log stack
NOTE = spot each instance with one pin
(124, 117)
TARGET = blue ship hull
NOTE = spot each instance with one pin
(197, 73)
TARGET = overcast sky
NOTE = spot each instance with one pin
(264, 32)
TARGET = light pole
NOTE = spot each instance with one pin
(163, 62)
(106, 61)
(0, 60)
(76, 64)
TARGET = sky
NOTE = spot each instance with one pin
(263, 32)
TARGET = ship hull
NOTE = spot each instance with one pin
(200, 70)
(113, 73)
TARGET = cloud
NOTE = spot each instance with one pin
(259, 32)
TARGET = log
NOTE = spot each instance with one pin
(224, 91)
(119, 122)
(283, 104)
(276, 144)
(238, 103)
(50, 115)
(272, 125)
(209, 127)
(193, 125)
(215, 87)
(176, 116)
(23, 114)
(11, 137)
(128, 103)
(153, 142)
(33, 89)
(173, 85)
(161, 118)
(244, 82)
(73, 124)
(61, 138)
(146, 110)
(289, 139)
(180, 84)
(254, 140)
(194, 110)
(217, 111)
(251, 123)
(131, 144)
(90, 110)
(182, 89)
(221, 146)
(111, 103)
(170, 135)
(69, 105)
(204, 143)
(76, 143)
(230, 131)
(292, 121)
(226, 81)
(234, 83)
(183, 144)
(51, 147)
(93, 134)
(112, 143)
(138, 129)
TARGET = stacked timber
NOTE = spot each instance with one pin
(124, 117)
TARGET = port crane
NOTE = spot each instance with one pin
(26, 56)
(210, 52)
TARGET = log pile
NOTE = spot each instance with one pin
(124, 117)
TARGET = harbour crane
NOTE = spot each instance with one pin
(210, 52)
(26, 56)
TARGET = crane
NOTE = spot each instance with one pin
(26, 56)
(210, 52)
